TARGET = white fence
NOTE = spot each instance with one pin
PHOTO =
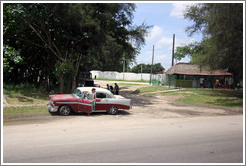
(120, 76)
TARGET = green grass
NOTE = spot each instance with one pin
(26, 111)
(25, 90)
(217, 98)
(25, 100)
(149, 89)
(209, 97)
(129, 85)
(104, 79)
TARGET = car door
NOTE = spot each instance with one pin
(101, 101)
(84, 104)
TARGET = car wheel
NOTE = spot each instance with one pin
(112, 110)
(53, 113)
(65, 110)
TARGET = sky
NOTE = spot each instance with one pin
(166, 19)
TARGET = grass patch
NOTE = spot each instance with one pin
(105, 79)
(26, 111)
(149, 89)
(125, 84)
(209, 97)
(216, 98)
(26, 100)
(129, 85)
(25, 91)
(171, 93)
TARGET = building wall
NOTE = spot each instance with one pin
(120, 76)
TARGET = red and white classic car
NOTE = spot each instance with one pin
(105, 101)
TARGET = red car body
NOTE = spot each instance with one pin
(77, 102)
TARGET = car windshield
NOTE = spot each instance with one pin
(77, 93)
(110, 95)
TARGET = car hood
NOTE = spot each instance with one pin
(63, 97)
(119, 97)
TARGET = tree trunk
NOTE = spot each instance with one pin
(74, 86)
(76, 72)
(61, 83)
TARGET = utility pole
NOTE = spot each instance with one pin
(173, 50)
(152, 65)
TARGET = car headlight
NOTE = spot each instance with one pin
(51, 102)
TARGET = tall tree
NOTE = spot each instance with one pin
(222, 28)
(73, 35)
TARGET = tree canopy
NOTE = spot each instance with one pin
(222, 27)
(54, 41)
(146, 68)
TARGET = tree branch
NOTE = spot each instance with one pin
(57, 54)
(29, 42)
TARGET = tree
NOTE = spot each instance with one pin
(72, 36)
(147, 68)
(182, 52)
(222, 28)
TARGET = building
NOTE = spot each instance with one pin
(191, 75)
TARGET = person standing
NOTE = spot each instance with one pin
(92, 96)
(217, 83)
(116, 89)
(201, 80)
(108, 87)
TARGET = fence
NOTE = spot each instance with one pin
(170, 81)
(120, 76)
(174, 81)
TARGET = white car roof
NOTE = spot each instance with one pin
(97, 90)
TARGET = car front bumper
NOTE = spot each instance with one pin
(52, 107)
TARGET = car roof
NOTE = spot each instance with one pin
(97, 90)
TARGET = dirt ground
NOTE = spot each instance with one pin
(162, 107)
(145, 108)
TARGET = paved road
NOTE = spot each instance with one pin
(72, 140)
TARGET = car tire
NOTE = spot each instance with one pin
(53, 113)
(112, 110)
(64, 110)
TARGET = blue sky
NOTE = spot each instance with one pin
(166, 19)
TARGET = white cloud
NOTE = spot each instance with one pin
(163, 50)
(163, 47)
(164, 42)
(155, 33)
(184, 41)
(178, 9)
(167, 42)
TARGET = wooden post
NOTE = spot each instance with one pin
(152, 64)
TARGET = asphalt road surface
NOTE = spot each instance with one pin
(109, 139)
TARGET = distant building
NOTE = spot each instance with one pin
(190, 75)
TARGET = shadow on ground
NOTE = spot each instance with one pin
(138, 100)
(96, 114)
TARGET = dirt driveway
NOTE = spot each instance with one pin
(162, 106)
